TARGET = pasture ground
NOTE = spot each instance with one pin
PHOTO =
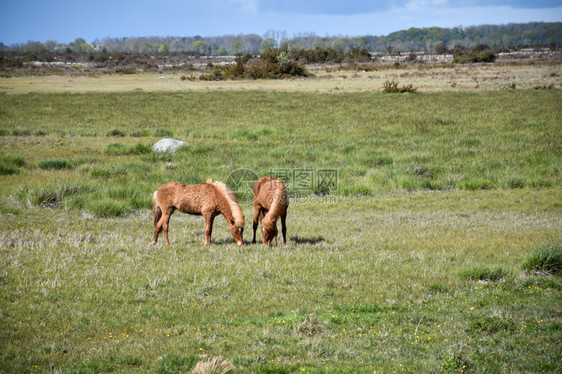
(426, 78)
(414, 263)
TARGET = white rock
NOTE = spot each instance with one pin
(168, 145)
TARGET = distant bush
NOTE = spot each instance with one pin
(322, 55)
(272, 64)
(480, 53)
(481, 57)
(547, 258)
(126, 71)
(391, 86)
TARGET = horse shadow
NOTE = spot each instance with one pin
(225, 240)
(311, 240)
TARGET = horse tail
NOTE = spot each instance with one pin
(279, 201)
(156, 210)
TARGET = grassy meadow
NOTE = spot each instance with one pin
(438, 248)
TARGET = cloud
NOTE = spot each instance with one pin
(323, 7)
(250, 6)
(417, 5)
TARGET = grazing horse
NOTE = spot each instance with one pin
(270, 202)
(206, 199)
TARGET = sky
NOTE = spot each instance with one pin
(63, 21)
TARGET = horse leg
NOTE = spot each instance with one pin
(165, 227)
(208, 228)
(257, 212)
(156, 233)
(284, 227)
(157, 213)
(158, 228)
(162, 225)
(165, 222)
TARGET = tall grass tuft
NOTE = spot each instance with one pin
(455, 363)
(546, 258)
(516, 182)
(116, 133)
(163, 133)
(50, 196)
(474, 184)
(119, 149)
(106, 207)
(10, 165)
(485, 273)
(60, 164)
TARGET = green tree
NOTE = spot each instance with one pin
(339, 45)
(268, 43)
(50, 45)
(441, 48)
(199, 46)
(236, 46)
(85, 48)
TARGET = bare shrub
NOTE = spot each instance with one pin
(310, 326)
(215, 365)
(391, 86)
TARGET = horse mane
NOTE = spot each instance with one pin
(277, 198)
(232, 201)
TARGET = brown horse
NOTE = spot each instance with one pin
(270, 202)
(206, 199)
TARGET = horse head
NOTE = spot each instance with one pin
(269, 232)
(237, 232)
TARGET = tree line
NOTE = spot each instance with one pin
(432, 39)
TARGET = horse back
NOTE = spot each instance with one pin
(261, 194)
(187, 198)
(264, 189)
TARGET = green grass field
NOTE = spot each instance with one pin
(437, 250)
